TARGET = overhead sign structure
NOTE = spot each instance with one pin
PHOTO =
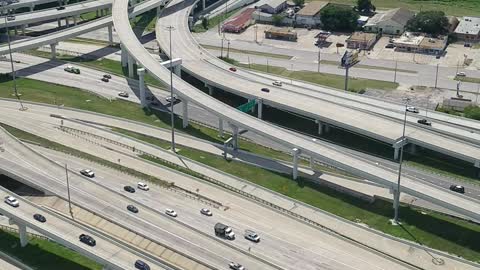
(247, 106)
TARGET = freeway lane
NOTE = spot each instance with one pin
(196, 61)
(66, 232)
(23, 162)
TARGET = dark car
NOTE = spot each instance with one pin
(39, 217)
(129, 189)
(139, 264)
(265, 90)
(457, 188)
(108, 76)
(87, 239)
(233, 69)
(424, 122)
(60, 8)
(389, 46)
(467, 45)
(105, 79)
(132, 208)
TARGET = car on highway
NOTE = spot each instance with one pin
(40, 218)
(265, 90)
(461, 74)
(390, 46)
(10, 18)
(129, 189)
(169, 98)
(105, 79)
(457, 188)
(143, 186)
(60, 8)
(123, 94)
(139, 264)
(233, 69)
(424, 122)
(12, 201)
(236, 266)
(107, 76)
(170, 212)
(72, 69)
(412, 109)
(277, 83)
(132, 208)
(206, 212)
(252, 236)
(87, 239)
(88, 173)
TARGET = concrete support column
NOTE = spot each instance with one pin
(413, 148)
(203, 4)
(327, 128)
(312, 162)
(296, 153)
(96, 13)
(141, 86)
(185, 113)
(234, 136)
(320, 127)
(67, 23)
(59, 23)
(159, 10)
(396, 198)
(23, 30)
(177, 70)
(124, 56)
(15, 30)
(101, 12)
(130, 66)
(396, 154)
(220, 127)
(22, 231)
(110, 34)
(53, 49)
(32, 6)
(260, 108)
(210, 90)
(74, 20)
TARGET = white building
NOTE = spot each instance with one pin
(271, 6)
(309, 15)
(392, 22)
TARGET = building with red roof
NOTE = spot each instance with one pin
(240, 22)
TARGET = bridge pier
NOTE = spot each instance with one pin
(67, 23)
(59, 23)
(124, 55)
(15, 31)
(96, 13)
(101, 12)
(210, 89)
(296, 153)
(110, 35)
(23, 29)
(131, 61)
(185, 113)
(260, 108)
(53, 49)
(320, 127)
(203, 4)
(220, 127)
(141, 86)
(397, 146)
(413, 148)
(312, 162)
(32, 6)
(22, 232)
(234, 136)
(177, 70)
(74, 20)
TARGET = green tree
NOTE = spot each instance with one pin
(431, 22)
(472, 112)
(277, 19)
(299, 2)
(205, 23)
(339, 18)
(365, 6)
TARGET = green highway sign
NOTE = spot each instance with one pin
(247, 106)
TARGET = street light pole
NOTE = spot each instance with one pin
(68, 192)
(228, 48)
(395, 73)
(436, 77)
(172, 101)
(319, 59)
(397, 196)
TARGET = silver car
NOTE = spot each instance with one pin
(12, 201)
(252, 236)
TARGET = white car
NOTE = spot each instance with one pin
(87, 173)
(206, 212)
(252, 236)
(12, 201)
(277, 83)
(169, 98)
(170, 212)
(461, 74)
(142, 186)
(412, 109)
(123, 94)
(236, 266)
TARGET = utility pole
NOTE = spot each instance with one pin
(68, 192)
(347, 67)
(436, 77)
(395, 74)
(319, 59)
(396, 202)
(248, 57)
(291, 68)
(172, 100)
(221, 51)
(256, 28)
(267, 65)
(478, 90)
(228, 48)
(458, 63)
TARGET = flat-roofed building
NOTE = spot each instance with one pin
(419, 43)
(309, 15)
(468, 29)
(362, 40)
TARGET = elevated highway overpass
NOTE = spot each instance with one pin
(214, 73)
(110, 254)
(237, 119)
(26, 3)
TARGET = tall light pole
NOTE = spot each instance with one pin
(8, 17)
(319, 59)
(436, 77)
(397, 195)
(68, 192)
(172, 101)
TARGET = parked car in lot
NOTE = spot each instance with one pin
(129, 189)
(87, 239)
(277, 83)
(236, 266)
(412, 109)
(88, 173)
(141, 265)
(461, 74)
(72, 69)
(457, 188)
(424, 122)
(170, 212)
(39, 218)
(143, 186)
(132, 208)
(265, 90)
(123, 94)
(206, 212)
(252, 236)
(233, 69)
(12, 201)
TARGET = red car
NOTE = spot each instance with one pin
(233, 69)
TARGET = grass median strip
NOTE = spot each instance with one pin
(44, 255)
(271, 55)
(449, 234)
